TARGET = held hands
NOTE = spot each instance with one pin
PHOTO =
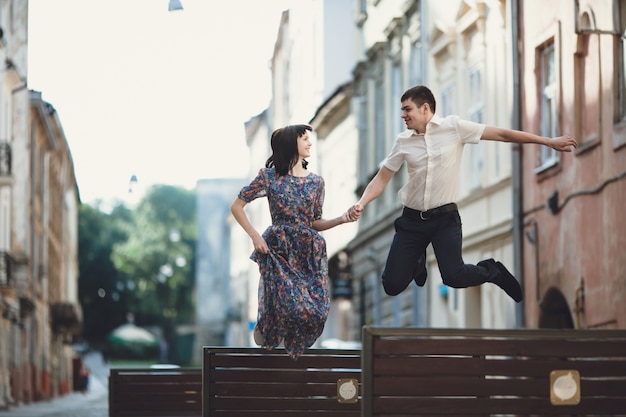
(563, 143)
(354, 212)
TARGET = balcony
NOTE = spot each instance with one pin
(7, 279)
(66, 318)
(5, 158)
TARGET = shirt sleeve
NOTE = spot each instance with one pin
(257, 188)
(470, 132)
(395, 158)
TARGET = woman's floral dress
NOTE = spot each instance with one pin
(293, 289)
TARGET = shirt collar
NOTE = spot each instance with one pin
(436, 119)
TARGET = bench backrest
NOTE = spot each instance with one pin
(481, 372)
(155, 392)
(263, 383)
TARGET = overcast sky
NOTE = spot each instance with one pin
(146, 92)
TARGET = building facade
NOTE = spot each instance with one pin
(546, 69)
(38, 231)
(335, 129)
(462, 51)
(312, 58)
(572, 68)
(215, 300)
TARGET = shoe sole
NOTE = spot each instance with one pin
(518, 296)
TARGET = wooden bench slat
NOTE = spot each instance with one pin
(484, 406)
(565, 347)
(451, 386)
(148, 392)
(531, 367)
(286, 404)
(454, 386)
(258, 382)
(275, 362)
(278, 376)
(272, 390)
(275, 413)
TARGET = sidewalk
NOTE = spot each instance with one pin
(93, 403)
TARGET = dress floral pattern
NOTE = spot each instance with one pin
(293, 289)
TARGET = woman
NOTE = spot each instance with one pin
(291, 254)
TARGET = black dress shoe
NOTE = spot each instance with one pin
(499, 275)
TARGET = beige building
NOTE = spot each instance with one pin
(462, 51)
(337, 138)
(38, 231)
(312, 57)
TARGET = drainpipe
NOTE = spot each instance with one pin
(516, 162)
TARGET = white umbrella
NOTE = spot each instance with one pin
(129, 333)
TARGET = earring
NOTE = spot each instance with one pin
(305, 163)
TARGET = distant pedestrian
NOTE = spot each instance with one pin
(83, 377)
(293, 290)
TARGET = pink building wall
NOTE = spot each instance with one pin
(579, 252)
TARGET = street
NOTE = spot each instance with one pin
(93, 403)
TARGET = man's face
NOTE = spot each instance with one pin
(415, 117)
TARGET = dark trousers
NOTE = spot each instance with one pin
(406, 261)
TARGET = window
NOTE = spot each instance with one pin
(416, 69)
(620, 82)
(549, 120)
(359, 104)
(396, 92)
(476, 107)
(396, 120)
(587, 76)
(446, 106)
(380, 136)
(619, 89)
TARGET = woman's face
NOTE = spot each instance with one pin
(304, 145)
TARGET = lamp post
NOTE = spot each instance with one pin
(174, 5)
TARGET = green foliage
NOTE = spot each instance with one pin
(143, 259)
(103, 307)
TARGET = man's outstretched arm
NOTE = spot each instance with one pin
(562, 143)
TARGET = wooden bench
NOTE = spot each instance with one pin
(155, 392)
(256, 382)
(452, 372)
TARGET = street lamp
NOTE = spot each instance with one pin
(175, 5)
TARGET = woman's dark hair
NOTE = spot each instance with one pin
(419, 95)
(284, 143)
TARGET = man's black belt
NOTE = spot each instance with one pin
(429, 214)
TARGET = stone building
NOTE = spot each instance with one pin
(38, 231)
(462, 50)
(214, 298)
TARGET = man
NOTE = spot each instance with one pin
(432, 147)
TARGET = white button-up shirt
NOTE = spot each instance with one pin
(433, 160)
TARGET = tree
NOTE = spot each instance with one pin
(158, 258)
(104, 307)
